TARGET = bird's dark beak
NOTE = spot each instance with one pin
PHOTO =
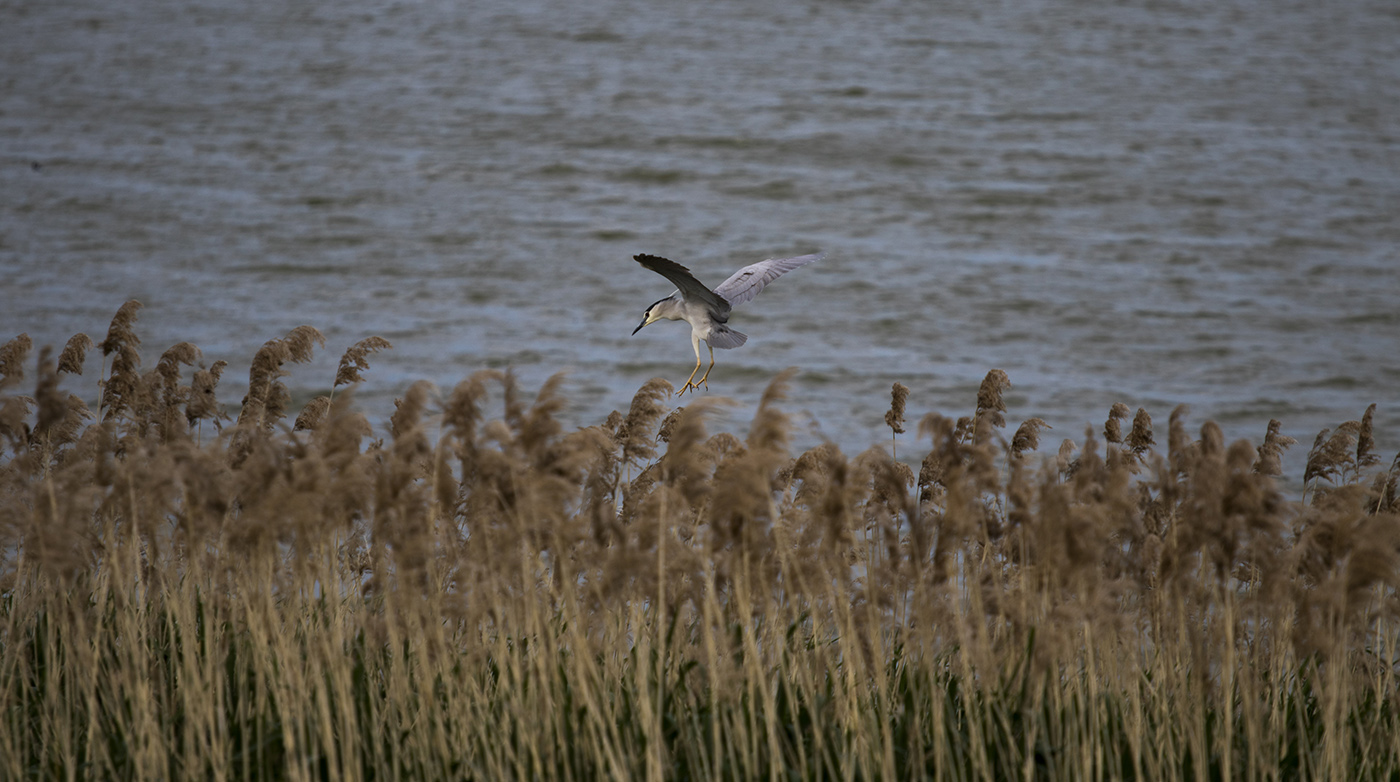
(639, 327)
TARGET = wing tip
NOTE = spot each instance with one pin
(653, 261)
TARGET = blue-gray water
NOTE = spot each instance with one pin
(1152, 202)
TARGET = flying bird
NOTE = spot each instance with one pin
(707, 311)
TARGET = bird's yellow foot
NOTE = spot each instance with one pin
(688, 381)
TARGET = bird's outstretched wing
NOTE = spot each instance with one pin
(745, 284)
(679, 276)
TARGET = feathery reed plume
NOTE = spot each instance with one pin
(1140, 438)
(119, 333)
(1027, 437)
(313, 414)
(539, 428)
(406, 422)
(1387, 492)
(943, 455)
(267, 399)
(59, 416)
(52, 405)
(894, 417)
(1331, 454)
(172, 395)
(300, 342)
(262, 376)
(462, 414)
(168, 368)
(12, 355)
(1113, 427)
(1179, 445)
(743, 514)
(1065, 463)
(123, 382)
(1365, 445)
(14, 426)
(74, 353)
(634, 435)
(356, 360)
(769, 430)
(1270, 460)
(668, 425)
(683, 464)
(989, 402)
(203, 404)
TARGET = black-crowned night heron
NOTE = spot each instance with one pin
(707, 311)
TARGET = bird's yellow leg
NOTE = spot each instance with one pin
(707, 371)
(695, 343)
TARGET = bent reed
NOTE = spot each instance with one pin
(484, 595)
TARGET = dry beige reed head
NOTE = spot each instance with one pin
(1179, 444)
(894, 418)
(267, 399)
(12, 355)
(1365, 444)
(1139, 440)
(74, 353)
(52, 405)
(168, 368)
(1113, 427)
(1332, 453)
(313, 414)
(356, 360)
(770, 428)
(634, 435)
(989, 402)
(1270, 453)
(1027, 437)
(120, 333)
(203, 403)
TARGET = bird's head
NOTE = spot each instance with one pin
(652, 315)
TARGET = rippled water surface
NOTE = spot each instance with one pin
(1147, 202)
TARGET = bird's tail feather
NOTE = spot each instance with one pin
(724, 337)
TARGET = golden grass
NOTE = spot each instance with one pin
(484, 595)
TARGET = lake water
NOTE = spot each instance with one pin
(1151, 202)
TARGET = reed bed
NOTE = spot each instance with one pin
(481, 594)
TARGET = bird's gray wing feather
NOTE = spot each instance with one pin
(680, 276)
(721, 336)
(745, 284)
